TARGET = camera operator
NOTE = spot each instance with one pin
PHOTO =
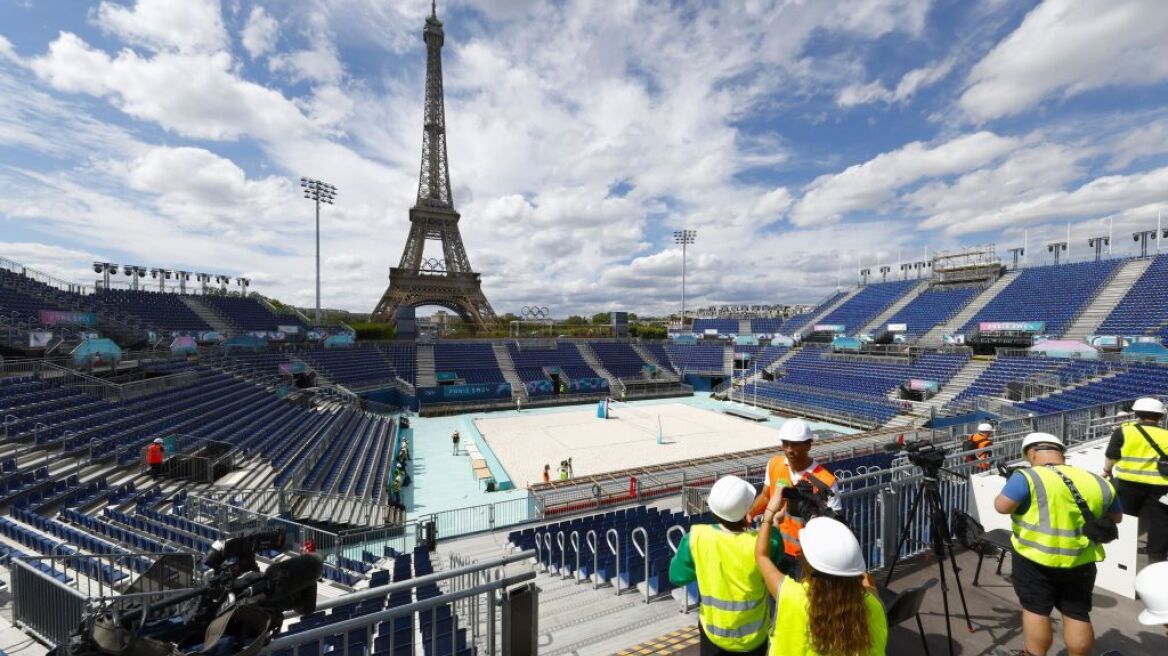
(1054, 550)
(796, 468)
(833, 608)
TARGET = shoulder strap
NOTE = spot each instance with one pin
(1151, 442)
(1083, 507)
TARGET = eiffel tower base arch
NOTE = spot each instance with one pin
(460, 292)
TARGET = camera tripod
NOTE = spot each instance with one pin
(942, 543)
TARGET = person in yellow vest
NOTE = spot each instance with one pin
(795, 467)
(1054, 562)
(734, 617)
(1133, 461)
(833, 608)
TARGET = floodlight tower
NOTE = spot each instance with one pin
(1143, 236)
(685, 238)
(319, 192)
(1056, 247)
(1098, 243)
(1017, 253)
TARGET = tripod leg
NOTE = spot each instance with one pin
(960, 588)
(944, 594)
(912, 513)
(942, 542)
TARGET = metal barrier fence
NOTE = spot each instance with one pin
(198, 459)
(50, 594)
(231, 518)
(486, 517)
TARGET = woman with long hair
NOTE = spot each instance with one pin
(833, 609)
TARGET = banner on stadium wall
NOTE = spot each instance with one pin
(828, 328)
(39, 338)
(445, 376)
(585, 385)
(289, 330)
(450, 393)
(63, 318)
(292, 368)
(923, 385)
(710, 332)
(1011, 326)
(898, 327)
(746, 340)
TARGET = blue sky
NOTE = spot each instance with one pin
(803, 140)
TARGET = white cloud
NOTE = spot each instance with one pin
(182, 25)
(260, 33)
(869, 186)
(1144, 141)
(1065, 48)
(6, 51)
(912, 82)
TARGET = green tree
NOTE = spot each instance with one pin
(575, 320)
(601, 317)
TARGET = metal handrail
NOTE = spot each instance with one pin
(615, 549)
(591, 539)
(574, 538)
(644, 554)
(560, 544)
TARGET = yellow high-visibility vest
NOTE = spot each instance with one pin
(1050, 532)
(792, 635)
(734, 610)
(1137, 459)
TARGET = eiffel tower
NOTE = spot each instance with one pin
(448, 282)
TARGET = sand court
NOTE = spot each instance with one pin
(523, 444)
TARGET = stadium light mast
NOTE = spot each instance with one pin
(1143, 236)
(1017, 253)
(685, 238)
(884, 273)
(1098, 243)
(1056, 247)
(319, 192)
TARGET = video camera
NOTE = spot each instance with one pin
(926, 455)
(805, 500)
(236, 609)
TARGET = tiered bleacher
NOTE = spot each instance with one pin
(765, 326)
(1051, 294)
(157, 309)
(356, 367)
(721, 326)
(530, 365)
(1137, 380)
(619, 359)
(862, 308)
(470, 363)
(246, 313)
(799, 321)
(932, 307)
(1144, 309)
(700, 358)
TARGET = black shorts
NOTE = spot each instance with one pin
(1041, 589)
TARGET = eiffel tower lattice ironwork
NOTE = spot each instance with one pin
(448, 282)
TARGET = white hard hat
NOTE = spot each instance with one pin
(831, 548)
(730, 498)
(1152, 588)
(1121, 413)
(985, 428)
(1040, 438)
(795, 430)
(1150, 406)
(158, 440)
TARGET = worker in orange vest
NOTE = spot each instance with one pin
(982, 439)
(154, 457)
(796, 467)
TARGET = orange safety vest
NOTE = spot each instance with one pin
(154, 454)
(778, 470)
(980, 441)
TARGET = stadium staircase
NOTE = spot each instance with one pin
(949, 391)
(213, 318)
(728, 360)
(663, 370)
(808, 327)
(744, 327)
(1108, 297)
(961, 318)
(593, 361)
(426, 375)
(882, 318)
(507, 366)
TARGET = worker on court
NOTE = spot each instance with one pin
(1137, 457)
